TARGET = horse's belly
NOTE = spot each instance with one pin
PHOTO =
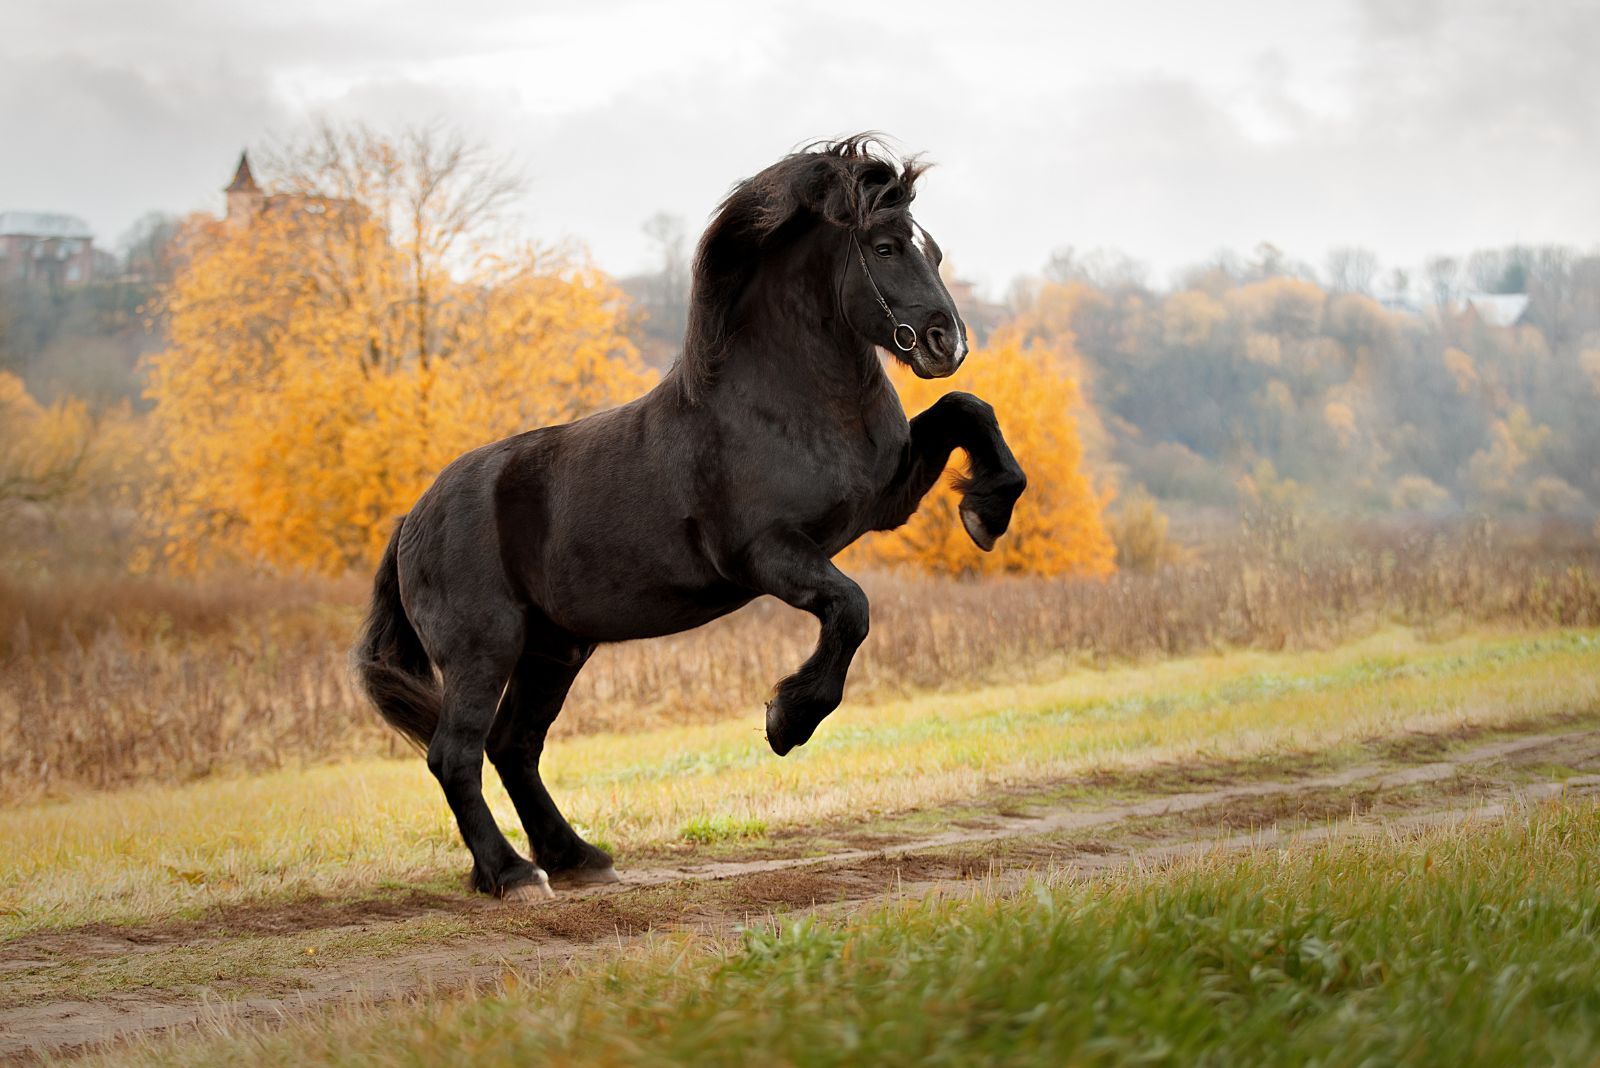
(624, 615)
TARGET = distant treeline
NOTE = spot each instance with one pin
(1248, 380)
(1247, 383)
(1472, 384)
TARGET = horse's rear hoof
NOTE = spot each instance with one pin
(775, 734)
(528, 893)
(576, 877)
(787, 729)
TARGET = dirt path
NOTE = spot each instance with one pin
(68, 991)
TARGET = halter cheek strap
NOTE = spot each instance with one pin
(900, 329)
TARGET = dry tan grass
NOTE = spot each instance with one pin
(110, 681)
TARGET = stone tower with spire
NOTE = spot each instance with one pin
(245, 198)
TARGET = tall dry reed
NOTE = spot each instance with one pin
(110, 681)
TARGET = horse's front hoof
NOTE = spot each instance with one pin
(977, 530)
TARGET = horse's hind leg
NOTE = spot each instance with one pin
(474, 676)
(532, 701)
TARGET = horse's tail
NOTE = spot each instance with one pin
(389, 661)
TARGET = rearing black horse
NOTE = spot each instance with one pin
(775, 441)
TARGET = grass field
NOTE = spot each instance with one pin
(371, 826)
(317, 913)
(1467, 945)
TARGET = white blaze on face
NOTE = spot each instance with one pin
(919, 237)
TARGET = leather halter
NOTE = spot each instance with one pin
(884, 304)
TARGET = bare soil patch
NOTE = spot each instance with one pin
(423, 942)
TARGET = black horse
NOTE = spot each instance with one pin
(775, 441)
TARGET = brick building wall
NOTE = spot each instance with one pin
(44, 249)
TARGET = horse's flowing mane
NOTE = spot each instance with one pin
(854, 184)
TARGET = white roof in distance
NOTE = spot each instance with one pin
(43, 224)
(1498, 309)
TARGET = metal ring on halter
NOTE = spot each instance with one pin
(905, 326)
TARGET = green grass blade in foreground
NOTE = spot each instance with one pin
(1466, 945)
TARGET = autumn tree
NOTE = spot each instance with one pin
(1057, 528)
(331, 352)
(56, 454)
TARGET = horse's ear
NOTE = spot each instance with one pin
(882, 191)
(885, 196)
(834, 200)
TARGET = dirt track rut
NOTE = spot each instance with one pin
(39, 1014)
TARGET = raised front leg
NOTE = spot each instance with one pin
(994, 479)
(792, 568)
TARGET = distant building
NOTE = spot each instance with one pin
(1496, 309)
(982, 317)
(247, 200)
(44, 249)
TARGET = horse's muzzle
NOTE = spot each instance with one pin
(940, 355)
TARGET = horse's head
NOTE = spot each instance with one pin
(842, 211)
(892, 295)
(890, 292)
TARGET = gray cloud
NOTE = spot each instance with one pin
(1409, 127)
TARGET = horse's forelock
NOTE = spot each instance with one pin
(854, 183)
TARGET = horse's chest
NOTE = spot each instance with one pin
(846, 485)
(815, 475)
(855, 466)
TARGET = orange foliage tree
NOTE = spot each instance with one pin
(57, 453)
(1058, 527)
(333, 350)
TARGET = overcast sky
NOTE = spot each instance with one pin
(1165, 128)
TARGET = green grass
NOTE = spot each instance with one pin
(707, 830)
(1465, 945)
(373, 826)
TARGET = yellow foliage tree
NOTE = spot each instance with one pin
(330, 354)
(1058, 527)
(1190, 317)
(54, 454)
(1286, 307)
(1139, 531)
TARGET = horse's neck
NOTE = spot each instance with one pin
(794, 360)
(794, 346)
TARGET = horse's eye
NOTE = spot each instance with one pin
(885, 250)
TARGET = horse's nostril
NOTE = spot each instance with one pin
(938, 338)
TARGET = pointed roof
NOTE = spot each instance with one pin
(243, 180)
